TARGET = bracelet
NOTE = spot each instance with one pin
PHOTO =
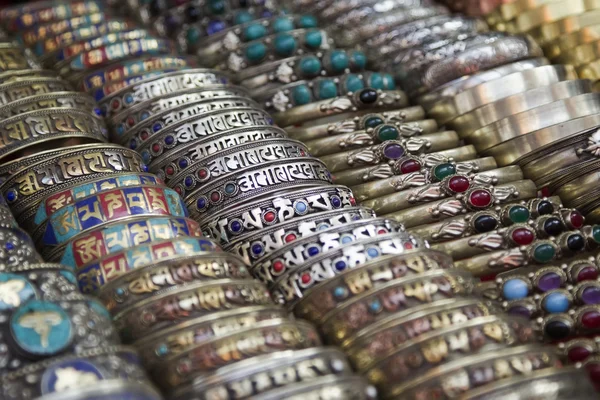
(28, 38)
(290, 288)
(547, 13)
(565, 43)
(114, 74)
(36, 281)
(263, 338)
(25, 74)
(351, 387)
(409, 121)
(254, 181)
(17, 249)
(254, 216)
(548, 32)
(94, 275)
(320, 361)
(162, 85)
(477, 198)
(366, 348)
(496, 365)
(396, 298)
(326, 297)
(140, 135)
(110, 389)
(355, 177)
(25, 17)
(145, 282)
(197, 150)
(116, 237)
(131, 118)
(187, 302)
(234, 159)
(468, 100)
(109, 206)
(159, 347)
(449, 186)
(38, 176)
(71, 100)
(71, 324)
(417, 171)
(14, 57)
(26, 87)
(205, 124)
(107, 364)
(270, 239)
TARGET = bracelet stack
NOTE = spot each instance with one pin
(297, 204)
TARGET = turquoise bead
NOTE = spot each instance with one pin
(338, 60)
(243, 17)
(256, 52)
(283, 25)
(556, 303)
(307, 21)
(192, 35)
(217, 7)
(514, 289)
(388, 82)
(354, 83)
(310, 66)
(327, 89)
(313, 39)
(254, 31)
(301, 95)
(359, 60)
(376, 81)
(285, 45)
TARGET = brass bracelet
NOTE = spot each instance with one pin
(443, 209)
(358, 176)
(71, 100)
(447, 187)
(417, 172)
(16, 90)
(468, 100)
(535, 119)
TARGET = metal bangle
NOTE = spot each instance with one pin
(351, 387)
(38, 33)
(334, 10)
(115, 237)
(16, 90)
(443, 209)
(233, 222)
(548, 32)
(253, 181)
(25, 74)
(564, 43)
(108, 390)
(17, 249)
(94, 275)
(41, 281)
(162, 310)
(324, 298)
(551, 12)
(234, 159)
(72, 100)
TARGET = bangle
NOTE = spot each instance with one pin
(206, 124)
(321, 300)
(475, 199)
(26, 87)
(18, 249)
(548, 32)
(154, 87)
(563, 44)
(423, 291)
(254, 181)
(71, 100)
(116, 237)
(417, 171)
(526, 148)
(428, 191)
(580, 55)
(189, 153)
(365, 99)
(320, 361)
(37, 281)
(133, 117)
(358, 176)
(113, 74)
(270, 266)
(145, 282)
(490, 113)
(501, 364)
(106, 207)
(108, 364)
(94, 275)
(112, 389)
(29, 37)
(255, 215)
(38, 14)
(364, 120)
(488, 220)
(491, 91)
(15, 58)
(38, 176)
(25, 74)
(140, 135)
(290, 288)
(251, 247)
(548, 13)
(187, 302)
